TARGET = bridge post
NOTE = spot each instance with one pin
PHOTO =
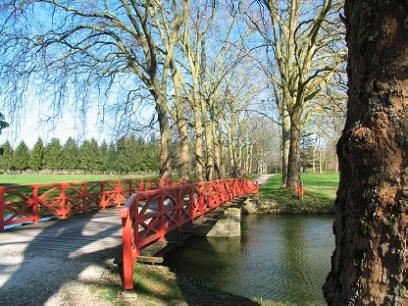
(35, 205)
(63, 209)
(141, 185)
(201, 196)
(191, 205)
(127, 249)
(118, 192)
(2, 209)
(102, 201)
(210, 197)
(179, 207)
(161, 217)
(83, 197)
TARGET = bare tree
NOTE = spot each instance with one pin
(86, 47)
(304, 39)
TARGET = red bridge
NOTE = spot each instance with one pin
(153, 208)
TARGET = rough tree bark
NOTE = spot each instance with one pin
(293, 176)
(165, 132)
(285, 145)
(369, 265)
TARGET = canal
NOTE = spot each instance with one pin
(283, 258)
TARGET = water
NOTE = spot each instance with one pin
(280, 258)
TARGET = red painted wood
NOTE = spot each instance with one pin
(30, 203)
(154, 213)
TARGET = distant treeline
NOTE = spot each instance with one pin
(128, 154)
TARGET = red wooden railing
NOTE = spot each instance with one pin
(147, 216)
(30, 203)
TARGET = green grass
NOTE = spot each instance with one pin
(252, 176)
(109, 294)
(27, 179)
(320, 193)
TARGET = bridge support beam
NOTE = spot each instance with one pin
(229, 225)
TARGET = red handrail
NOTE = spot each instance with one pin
(147, 216)
(30, 203)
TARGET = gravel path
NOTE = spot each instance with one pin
(62, 262)
(263, 178)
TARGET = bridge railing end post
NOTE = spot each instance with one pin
(127, 249)
(35, 205)
(2, 209)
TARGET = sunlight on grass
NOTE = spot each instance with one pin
(320, 192)
(27, 179)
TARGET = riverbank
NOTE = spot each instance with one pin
(319, 198)
(158, 285)
(96, 280)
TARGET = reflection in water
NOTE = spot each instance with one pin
(279, 258)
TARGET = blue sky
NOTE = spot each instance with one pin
(27, 127)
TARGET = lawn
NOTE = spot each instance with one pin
(320, 192)
(251, 176)
(27, 179)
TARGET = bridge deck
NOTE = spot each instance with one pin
(82, 234)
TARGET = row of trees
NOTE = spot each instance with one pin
(183, 58)
(126, 155)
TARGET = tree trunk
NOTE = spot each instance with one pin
(369, 262)
(184, 157)
(320, 158)
(221, 149)
(285, 145)
(314, 157)
(209, 145)
(179, 104)
(232, 163)
(239, 160)
(165, 136)
(217, 152)
(198, 126)
(293, 179)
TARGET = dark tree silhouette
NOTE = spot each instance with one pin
(369, 263)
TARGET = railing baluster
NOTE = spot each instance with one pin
(83, 197)
(179, 207)
(63, 209)
(35, 204)
(161, 217)
(191, 202)
(102, 201)
(2, 209)
(127, 248)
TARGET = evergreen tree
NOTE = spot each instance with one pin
(6, 156)
(53, 155)
(103, 154)
(70, 155)
(3, 122)
(133, 154)
(89, 156)
(21, 157)
(37, 156)
(111, 158)
(123, 162)
(97, 160)
(141, 155)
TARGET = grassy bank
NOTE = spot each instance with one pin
(158, 285)
(251, 176)
(320, 193)
(27, 179)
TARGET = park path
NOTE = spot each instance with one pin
(38, 262)
(263, 178)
